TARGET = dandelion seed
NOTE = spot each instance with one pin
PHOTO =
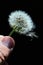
(21, 22)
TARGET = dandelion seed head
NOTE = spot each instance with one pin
(21, 19)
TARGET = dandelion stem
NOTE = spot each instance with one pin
(15, 29)
(11, 32)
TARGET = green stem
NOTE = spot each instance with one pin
(15, 29)
(11, 32)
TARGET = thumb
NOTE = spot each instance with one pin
(8, 41)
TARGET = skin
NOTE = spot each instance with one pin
(4, 50)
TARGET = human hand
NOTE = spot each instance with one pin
(6, 45)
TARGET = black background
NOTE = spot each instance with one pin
(25, 51)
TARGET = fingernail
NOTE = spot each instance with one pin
(8, 42)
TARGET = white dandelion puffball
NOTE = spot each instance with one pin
(21, 22)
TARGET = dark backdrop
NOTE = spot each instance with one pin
(25, 51)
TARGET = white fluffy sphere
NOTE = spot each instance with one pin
(20, 19)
